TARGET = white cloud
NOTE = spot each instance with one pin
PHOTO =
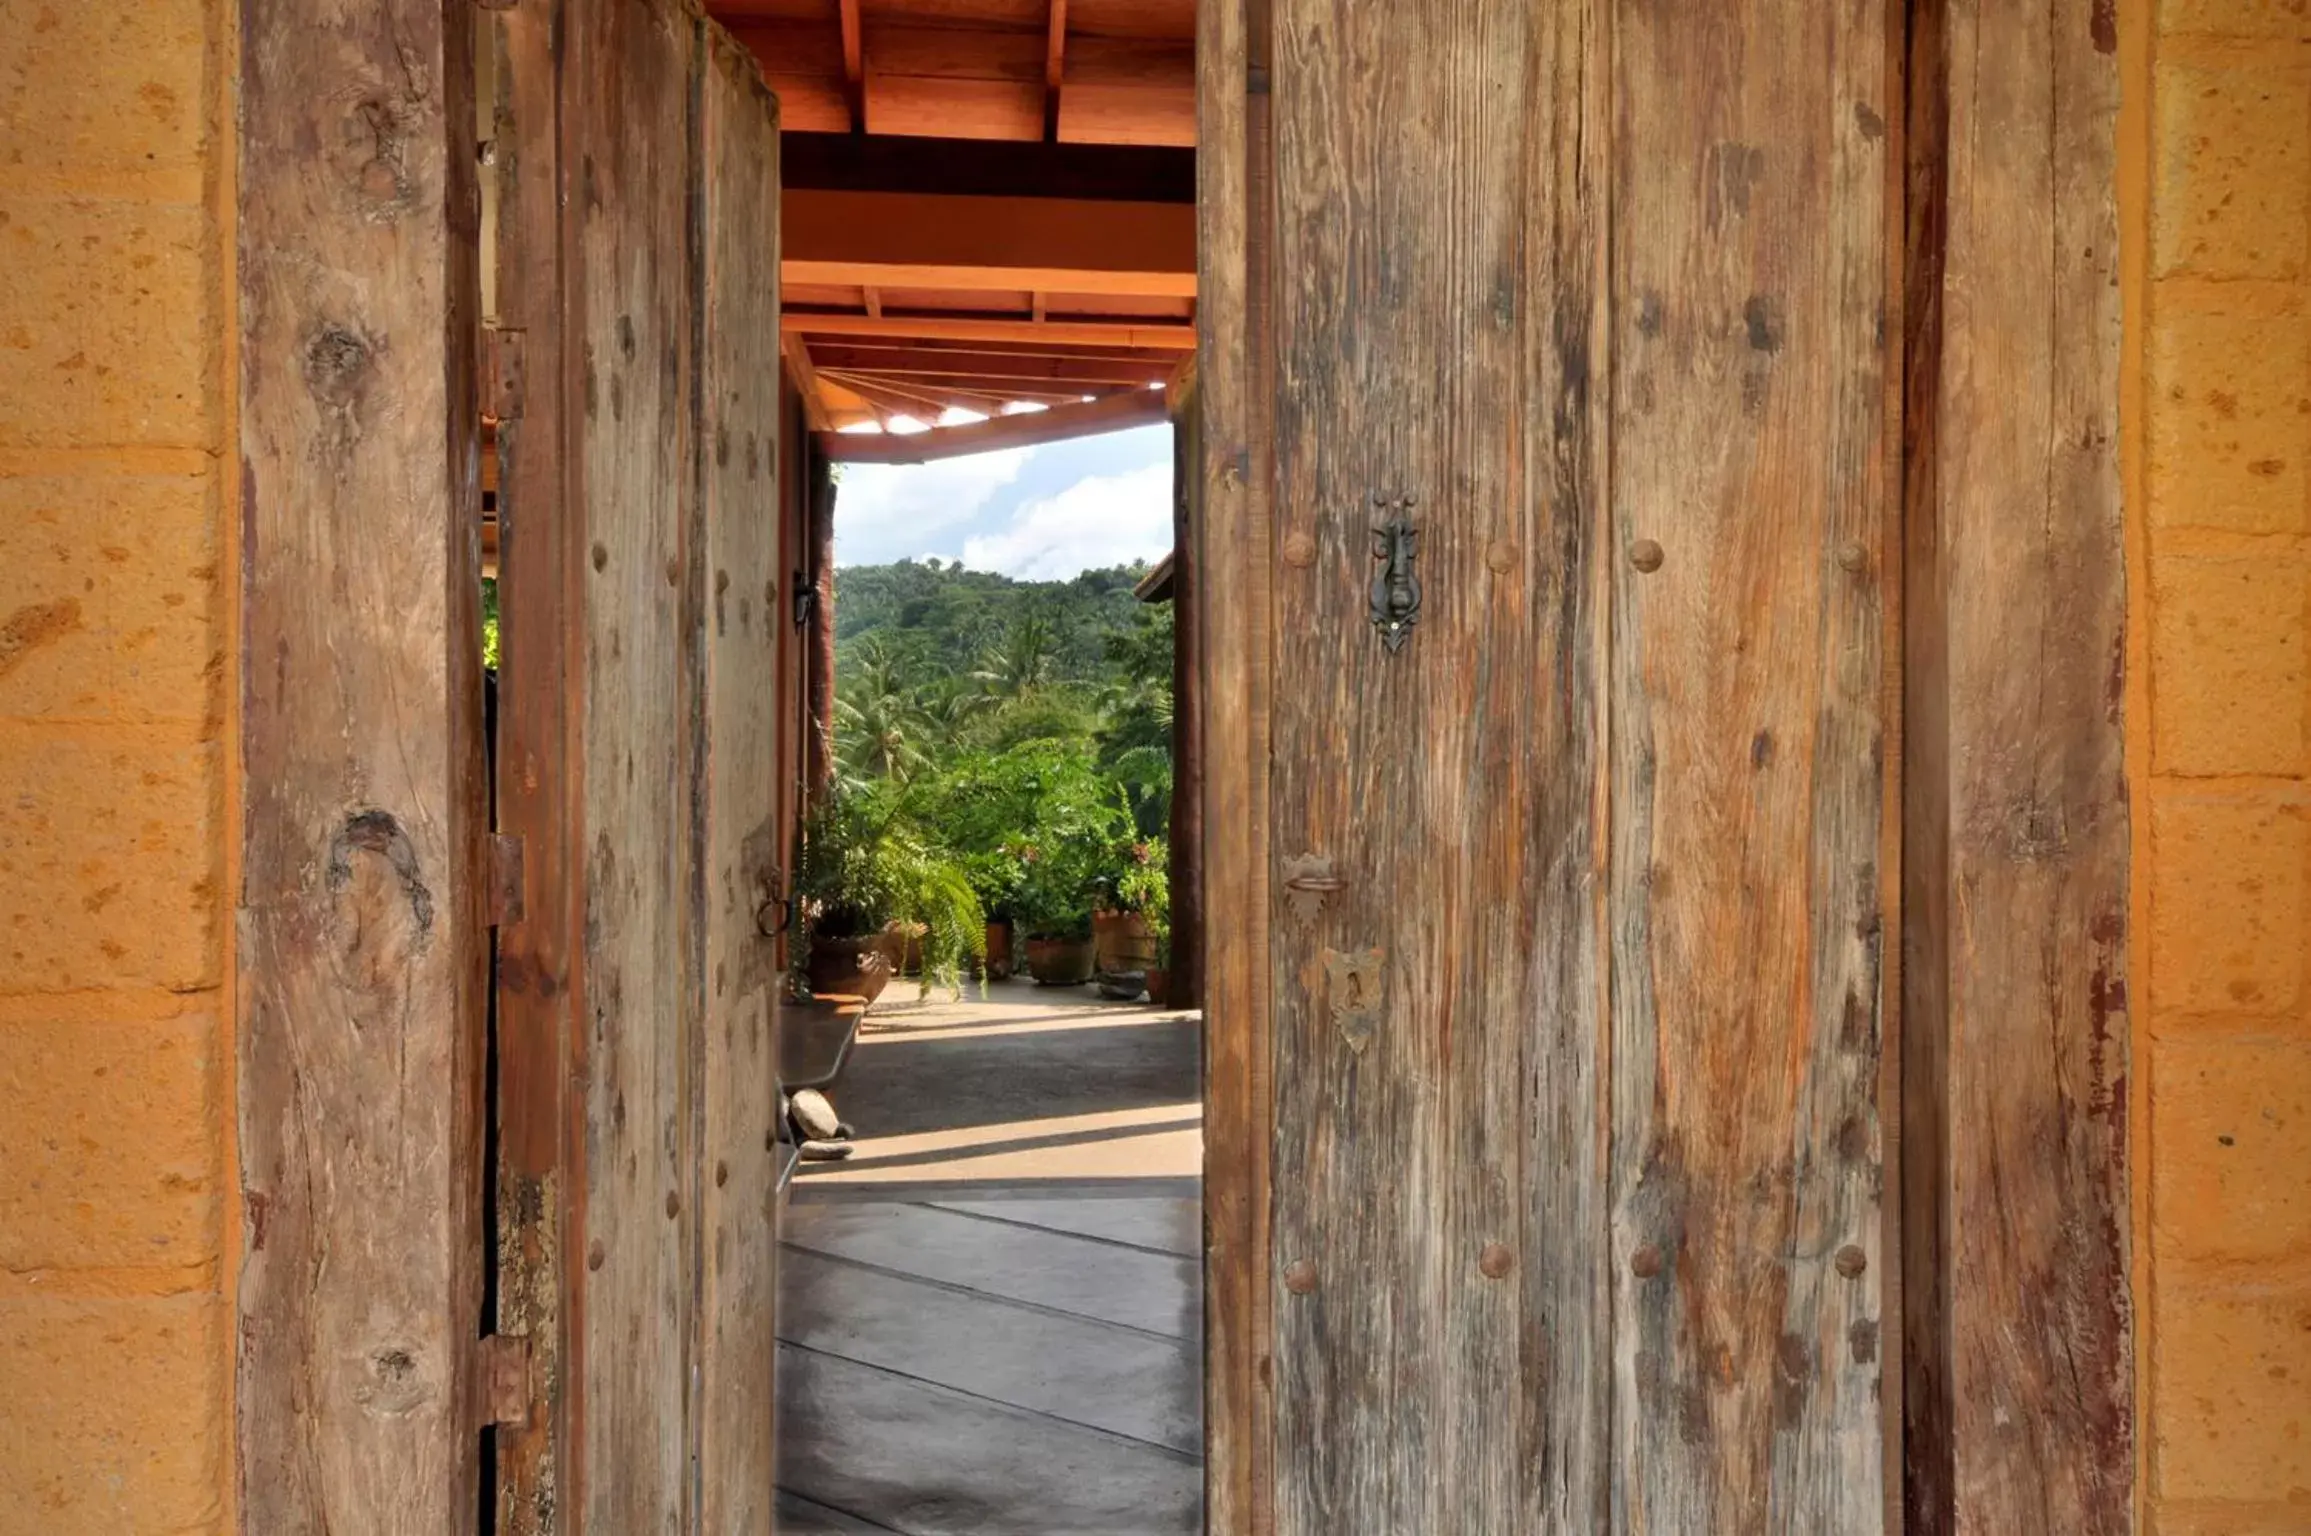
(1099, 520)
(888, 511)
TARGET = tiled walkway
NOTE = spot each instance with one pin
(989, 1320)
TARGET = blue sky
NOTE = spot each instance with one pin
(1040, 513)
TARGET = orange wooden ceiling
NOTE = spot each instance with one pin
(1110, 72)
(908, 301)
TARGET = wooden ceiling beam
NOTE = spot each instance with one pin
(1134, 408)
(926, 364)
(1146, 335)
(939, 240)
(806, 384)
(842, 162)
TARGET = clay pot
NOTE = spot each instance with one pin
(1059, 962)
(858, 965)
(1159, 987)
(1122, 941)
(999, 951)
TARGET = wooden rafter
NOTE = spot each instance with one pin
(1054, 69)
(1134, 408)
(1094, 333)
(805, 372)
(854, 64)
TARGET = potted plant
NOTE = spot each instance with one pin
(1159, 975)
(1054, 913)
(1134, 897)
(868, 884)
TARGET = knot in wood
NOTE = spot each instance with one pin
(1646, 556)
(1300, 1277)
(1851, 1261)
(1646, 1262)
(1495, 1261)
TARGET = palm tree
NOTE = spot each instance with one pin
(1021, 662)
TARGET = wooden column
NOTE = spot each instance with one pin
(2015, 1189)
(819, 751)
(1186, 876)
(363, 922)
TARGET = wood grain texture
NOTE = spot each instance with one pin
(363, 942)
(1231, 543)
(1751, 454)
(2028, 1345)
(1435, 248)
(738, 863)
(538, 776)
(627, 93)
(1186, 829)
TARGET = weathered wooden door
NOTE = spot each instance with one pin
(1553, 561)
(643, 608)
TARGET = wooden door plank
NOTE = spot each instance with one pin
(1439, 1240)
(2021, 1413)
(627, 90)
(538, 777)
(1748, 710)
(363, 931)
(736, 1086)
(1232, 550)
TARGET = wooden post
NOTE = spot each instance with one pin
(363, 919)
(2016, 1196)
(1186, 876)
(820, 750)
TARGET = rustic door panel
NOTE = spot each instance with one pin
(641, 656)
(1749, 506)
(1576, 913)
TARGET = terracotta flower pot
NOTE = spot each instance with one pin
(999, 951)
(859, 965)
(1159, 987)
(1122, 941)
(1059, 962)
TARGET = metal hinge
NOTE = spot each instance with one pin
(505, 879)
(503, 381)
(501, 1377)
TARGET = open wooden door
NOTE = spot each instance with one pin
(643, 610)
(1552, 558)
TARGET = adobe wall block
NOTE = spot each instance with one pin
(110, 859)
(2231, 1416)
(108, 324)
(2229, 1519)
(2230, 692)
(2231, 175)
(2230, 901)
(110, 1141)
(110, 1425)
(82, 94)
(2257, 20)
(2231, 1125)
(110, 598)
(2230, 415)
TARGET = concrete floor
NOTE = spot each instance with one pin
(990, 1318)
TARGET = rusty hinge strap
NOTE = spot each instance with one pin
(502, 1381)
(506, 902)
(503, 380)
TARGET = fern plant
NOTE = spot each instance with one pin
(865, 870)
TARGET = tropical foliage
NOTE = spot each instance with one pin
(1021, 730)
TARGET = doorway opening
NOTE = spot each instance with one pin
(990, 1290)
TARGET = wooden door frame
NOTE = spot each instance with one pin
(363, 908)
(2006, 1107)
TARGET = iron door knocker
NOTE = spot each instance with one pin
(1395, 590)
